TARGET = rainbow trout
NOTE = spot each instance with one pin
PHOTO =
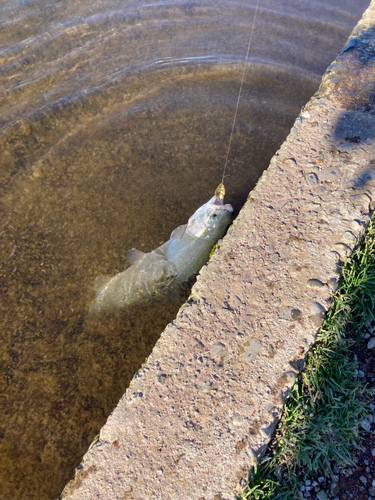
(172, 264)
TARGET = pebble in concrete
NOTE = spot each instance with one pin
(206, 402)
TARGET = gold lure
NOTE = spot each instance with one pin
(220, 192)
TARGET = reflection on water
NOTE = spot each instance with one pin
(114, 125)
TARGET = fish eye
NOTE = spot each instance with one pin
(214, 216)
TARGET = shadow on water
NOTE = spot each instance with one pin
(117, 342)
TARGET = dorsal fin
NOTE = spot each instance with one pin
(178, 233)
(133, 255)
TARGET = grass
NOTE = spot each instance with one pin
(320, 425)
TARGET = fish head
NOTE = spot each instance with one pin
(211, 220)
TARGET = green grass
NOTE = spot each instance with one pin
(321, 419)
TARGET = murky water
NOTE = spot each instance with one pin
(114, 125)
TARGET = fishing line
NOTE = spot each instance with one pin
(239, 93)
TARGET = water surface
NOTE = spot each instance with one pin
(114, 126)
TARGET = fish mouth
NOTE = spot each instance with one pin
(220, 203)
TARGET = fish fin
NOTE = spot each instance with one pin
(133, 255)
(100, 283)
(178, 233)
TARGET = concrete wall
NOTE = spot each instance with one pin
(207, 401)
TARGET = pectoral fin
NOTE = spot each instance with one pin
(133, 255)
(178, 233)
(100, 283)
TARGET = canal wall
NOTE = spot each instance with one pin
(205, 404)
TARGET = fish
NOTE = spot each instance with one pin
(169, 266)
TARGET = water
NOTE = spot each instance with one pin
(114, 125)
